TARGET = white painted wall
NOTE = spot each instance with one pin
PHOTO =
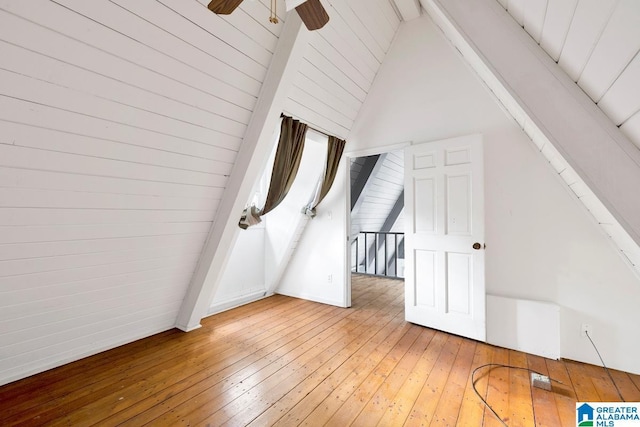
(261, 252)
(321, 251)
(285, 223)
(243, 277)
(541, 243)
(525, 325)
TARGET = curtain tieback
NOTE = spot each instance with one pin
(250, 216)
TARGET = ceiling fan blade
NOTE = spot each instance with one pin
(223, 7)
(313, 14)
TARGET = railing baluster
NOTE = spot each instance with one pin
(357, 258)
(385, 255)
(395, 252)
(375, 246)
(366, 258)
(375, 256)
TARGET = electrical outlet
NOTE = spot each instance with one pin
(329, 278)
(584, 329)
(540, 381)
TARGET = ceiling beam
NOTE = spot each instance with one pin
(375, 163)
(249, 165)
(409, 9)
(362, 177)
(398, 206)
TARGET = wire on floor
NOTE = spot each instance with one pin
(605, 366)
(499, 365)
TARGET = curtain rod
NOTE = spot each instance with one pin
(311, 127)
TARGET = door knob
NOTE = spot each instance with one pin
(477, 246)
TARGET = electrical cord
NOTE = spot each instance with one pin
(605, 366)
(499, 365)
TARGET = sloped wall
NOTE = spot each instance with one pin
(120, 123)
(541, 243)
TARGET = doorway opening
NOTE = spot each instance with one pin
(377, 220)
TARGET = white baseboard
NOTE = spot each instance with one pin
(313, 298)
(225, 305)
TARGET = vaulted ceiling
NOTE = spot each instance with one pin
(596, 42)
(121, 122)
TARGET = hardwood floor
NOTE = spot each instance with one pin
(283, 361)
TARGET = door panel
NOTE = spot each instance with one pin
(426, 275)
(425, 199)
(444, 274)
(458, 193)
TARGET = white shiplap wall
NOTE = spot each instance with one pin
(341, 63)
(597, 43)
(120, 122)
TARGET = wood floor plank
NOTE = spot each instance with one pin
(520, 397)
(51, 394)
(287, 362)
(563, 392)
(402, 403)
(472, 409)
(630, 392)
(283, 405)
(354, 404)
(498, 389)
(582, 383)
(313, 399)
(328, 344)
(135, 374)
(425, 404)
(448, 409)
(339, 394)
(383, 398)
(603, 384)
(545, 409)
(204, 391)
(185, 373)
(221, 395)
(635, 379)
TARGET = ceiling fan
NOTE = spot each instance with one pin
(311, 12)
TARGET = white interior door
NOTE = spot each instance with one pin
(444, 236)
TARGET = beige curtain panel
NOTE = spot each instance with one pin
(285, 168)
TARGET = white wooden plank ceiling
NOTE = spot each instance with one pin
(341, 62)
(381, 195)
(120, 123)
(596, 42)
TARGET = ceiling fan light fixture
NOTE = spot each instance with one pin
(292, 4)
(312, 14)
(223, 7)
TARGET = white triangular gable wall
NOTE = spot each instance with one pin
(541, 243)
(598, 163)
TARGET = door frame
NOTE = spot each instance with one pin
(347, 201)
(348, 155)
